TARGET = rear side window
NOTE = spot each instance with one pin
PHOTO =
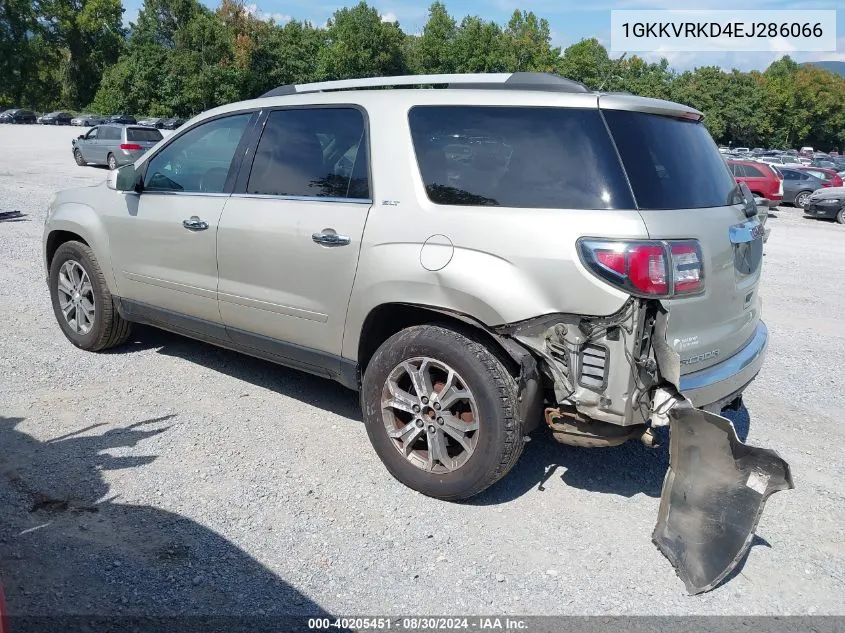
(140, 134)
(671, 163)
(110, 133)
(312, 152)
(559, 158)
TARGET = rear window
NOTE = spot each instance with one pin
(671, 163)
(143, 135)
(517, 157)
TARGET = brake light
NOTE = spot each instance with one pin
(130, 146)
(646, 268)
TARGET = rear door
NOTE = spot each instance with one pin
(290, 235)
(683, 190)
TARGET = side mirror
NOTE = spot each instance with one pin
(123, 179)
(81, 136)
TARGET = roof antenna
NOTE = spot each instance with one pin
(612, 69)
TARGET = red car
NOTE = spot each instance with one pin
(829, 177)
(762, 179)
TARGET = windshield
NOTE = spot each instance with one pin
(671, 163)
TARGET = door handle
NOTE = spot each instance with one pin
(326, 238)
(194, 224)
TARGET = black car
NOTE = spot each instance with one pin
(56, 118)
(828, 203)
(172, 124)
(125, 119)
(17, 115)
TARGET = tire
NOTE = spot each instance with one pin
(77, 156)
(840, 217)
(490, 412)
(801, 199)
(112, 162)
(107, 328)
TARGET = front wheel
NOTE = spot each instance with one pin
(840, 217)
(441, 412)
(82, 302)
(112, 162)
(801, 199)
(77, 156)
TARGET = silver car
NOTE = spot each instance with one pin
(113, 145)
(476, 263)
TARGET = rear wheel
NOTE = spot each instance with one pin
(840, 217)
(77, 156)
(801, 199)
(441, 412)
(82, 302)
(112, 162)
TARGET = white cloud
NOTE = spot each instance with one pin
(389, 17)
(278, 18)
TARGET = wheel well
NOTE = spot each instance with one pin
(56, 239)
(388, 319)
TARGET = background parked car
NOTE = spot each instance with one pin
(125, 119)
(172, 124)
(829, 177)
(17, 115)
(56, 118)
(113, 145)
(87, 120)
(155, 122)
(827, 204)
(798, 185)
(762, 179)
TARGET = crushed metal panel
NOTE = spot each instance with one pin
(713, 496)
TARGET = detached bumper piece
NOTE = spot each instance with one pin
(713, 496)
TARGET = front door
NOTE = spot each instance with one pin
(88, 145)
(164, 240)
(289, 238)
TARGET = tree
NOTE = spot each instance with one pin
(88, 35)
(587, 62)
(359, 44)
(479, 47)
(527, 44)
(437, 41)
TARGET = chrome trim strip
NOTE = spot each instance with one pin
(156, 192)
(726, 370)
(170, 285)
(263, 196)
(276, 308)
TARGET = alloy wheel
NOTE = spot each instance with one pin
(430, 415)
(801, 200)
(76, 297)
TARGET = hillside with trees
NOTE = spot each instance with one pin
(180, 58)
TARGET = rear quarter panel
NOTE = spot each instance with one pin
(505, 265)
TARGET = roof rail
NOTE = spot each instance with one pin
(499, 81)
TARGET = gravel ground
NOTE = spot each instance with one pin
(169, 476)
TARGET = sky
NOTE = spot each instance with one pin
(569, 20)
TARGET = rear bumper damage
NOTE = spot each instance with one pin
(716, 486)
(713, 496)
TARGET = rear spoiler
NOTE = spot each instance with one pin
(632, 103)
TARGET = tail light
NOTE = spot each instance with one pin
(130, 146)
(646, 268)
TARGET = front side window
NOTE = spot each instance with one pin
(199, 160)
(525, 157)
(671, 163)
(312, 152)
(92, 134)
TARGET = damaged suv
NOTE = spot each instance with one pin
(477, 255)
